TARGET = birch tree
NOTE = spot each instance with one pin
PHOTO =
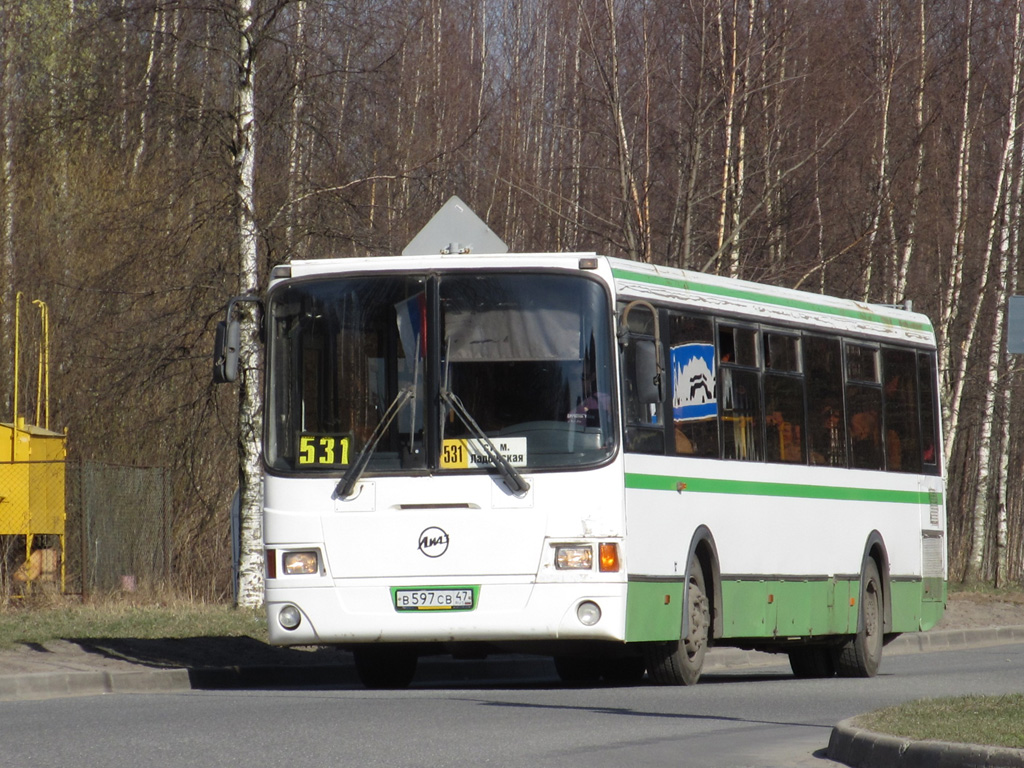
(250, 417)
(296, 146)
(902, 257)
(1001, 233)
(950, 300)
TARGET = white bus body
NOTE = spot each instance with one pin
(606, 535)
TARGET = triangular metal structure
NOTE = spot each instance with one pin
(455, 229)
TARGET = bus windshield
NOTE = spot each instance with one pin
(360, 371)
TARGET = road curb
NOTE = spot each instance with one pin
(49, 685)
(955, 638)
(860, 748)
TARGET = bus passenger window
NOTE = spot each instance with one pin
(861, 363)
(781, 352)
(645, 431)
(694, 385)
(929, 408)
(826, 427)
(784, 419)
(737, 345)
(740, 398)
(864, 408)
(741, 411)
(902, 435)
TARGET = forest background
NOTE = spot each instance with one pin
(158, 158)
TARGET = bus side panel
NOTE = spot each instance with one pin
(653, 610)
(658, 530)
(788, 608)
(790, 540)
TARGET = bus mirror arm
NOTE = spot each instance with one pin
(513, 478)
(348, 482)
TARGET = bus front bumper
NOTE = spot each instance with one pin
(502, 612)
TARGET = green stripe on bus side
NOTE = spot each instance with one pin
(781, 301)
(683, 485)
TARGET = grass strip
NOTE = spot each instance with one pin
(993, 720)
(23, 624)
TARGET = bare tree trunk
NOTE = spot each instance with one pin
(296, 150)
(8, 186)
(950, 308)
(886, 73)
(727, 64)
(147, 89)
(631, 199)
(691, 134)
(903, 257)
(1004, 560)
(250, 417)
(999, 240)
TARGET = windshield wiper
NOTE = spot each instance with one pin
(513, 479)
(351, 477)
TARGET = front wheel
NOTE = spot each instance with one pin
(862, 654)
(679, 662)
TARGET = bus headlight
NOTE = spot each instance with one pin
(301, 562)
(574, 558)
(289, 617)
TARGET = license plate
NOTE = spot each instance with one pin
(435, 599)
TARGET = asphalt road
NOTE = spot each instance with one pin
(760, 717)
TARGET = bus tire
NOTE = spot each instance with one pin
(812, 661)
(679, 662)
(383, 667)
(861, 655)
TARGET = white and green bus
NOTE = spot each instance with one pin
(615, 464)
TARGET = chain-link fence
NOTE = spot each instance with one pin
(113, 522)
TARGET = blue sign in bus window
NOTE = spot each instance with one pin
(693, 382)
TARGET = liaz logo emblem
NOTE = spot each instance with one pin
(433, 541)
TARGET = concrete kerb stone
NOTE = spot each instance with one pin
(859, 748)
(48, 685)
(955, 638)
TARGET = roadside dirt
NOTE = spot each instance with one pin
(968, 610)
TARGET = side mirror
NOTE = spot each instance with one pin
(225, 351)
(648, 371)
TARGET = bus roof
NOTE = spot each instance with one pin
(755, 302)
(767, 303)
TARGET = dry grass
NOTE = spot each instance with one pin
(41, 619)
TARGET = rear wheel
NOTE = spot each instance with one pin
(679, 662)
(380, 666)
(862, 654)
